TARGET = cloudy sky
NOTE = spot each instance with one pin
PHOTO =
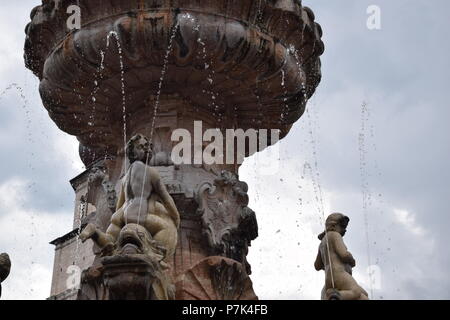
(374, 145)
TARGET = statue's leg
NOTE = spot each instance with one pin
(117, 223)
(333, 294)
(169, 239)
(91, 232)
(103, 239)
(350, 288)
(350, 294)
(323, 294)
(154, 224)
(163, 232)
(363, 292)
(88, 232)
(363, 297)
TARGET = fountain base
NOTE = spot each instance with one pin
(126, 277)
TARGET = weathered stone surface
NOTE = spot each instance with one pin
(228, 223)
(260, 58)
(136, 247)
(126, 277)
(215, 278)
(69, 253)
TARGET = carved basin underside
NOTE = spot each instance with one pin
(251, 63)
(215, 278)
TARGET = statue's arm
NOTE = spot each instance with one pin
(318, 264)
(341, 249)
(121, 199)
(166, 198)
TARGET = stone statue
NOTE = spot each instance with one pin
(144, 205)
(5, 267)
(141, 237)
(337, 262)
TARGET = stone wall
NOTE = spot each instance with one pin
(70, 253)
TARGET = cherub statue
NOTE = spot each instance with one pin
(144, 205)
(337, 262)
(5, 267)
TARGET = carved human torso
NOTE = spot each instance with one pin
(138, 190)
(337, 262)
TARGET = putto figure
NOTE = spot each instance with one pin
(337, 262)
(144, 205)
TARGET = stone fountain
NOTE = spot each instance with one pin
(152, 67)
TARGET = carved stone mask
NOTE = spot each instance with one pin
(134, 239)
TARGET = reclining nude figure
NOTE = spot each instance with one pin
(339, 283)
(143, 204)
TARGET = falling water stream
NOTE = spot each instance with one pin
(157, 101)
(31, 186)
(98, 77)
(365, 189)
(25, 105)
(214, 96)
(122, 86)
(314, 169)
(26, 109)
(259, 12)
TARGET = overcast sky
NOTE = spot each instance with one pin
(401, 72)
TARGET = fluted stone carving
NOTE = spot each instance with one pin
(228, 223)
(215, 278)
